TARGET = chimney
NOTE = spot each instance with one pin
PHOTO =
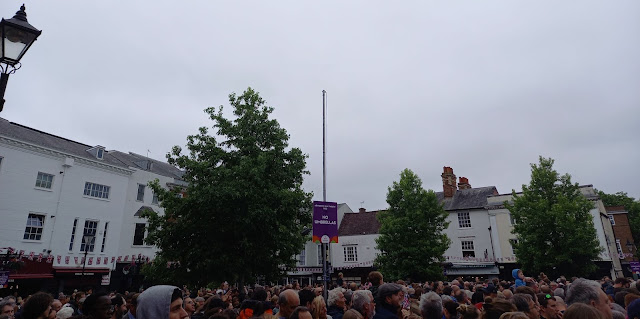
(448, 182)
(362, 210)
(464, 183)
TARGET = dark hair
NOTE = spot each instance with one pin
(477, 297)
(296, 312)
(580, 310)
(177, 293)
(522, 302)
(525, 290)
(89, 305)
(117, 300)
(375, 277)
(259, 294)
(447, 291)
(451, 307)
(543, 300)
(493, 310)
(36, 305)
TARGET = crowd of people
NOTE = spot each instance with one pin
(520, 298)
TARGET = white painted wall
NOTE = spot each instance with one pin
(478, 233)
(365, 247)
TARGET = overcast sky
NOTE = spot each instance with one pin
(482, 86)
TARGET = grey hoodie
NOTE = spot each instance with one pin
(155, 302)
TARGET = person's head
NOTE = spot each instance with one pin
(375, 277)
(548, 305)
(352, 314)
(160, 301)
(301, 312)
(589, 292)
(526, 304)
(189, 305)
(119, 304)
(133, 303)
(64, 313)
(306, 297)
(507, 294)
(7, 307)
(38, 306)
(449, 308)
(514, 315)
(468, 312)
(98, 306)
(288, 301)
(56, 305)
(633, 309)
(581, 310)
(363, 302)
(622, 282)
(495, 308)
(318, 308)
(199, 302)
(431, 306)
(390, 294)
(520, 274)
(336, 298)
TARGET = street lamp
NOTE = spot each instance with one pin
(88, 239)
(17, 37)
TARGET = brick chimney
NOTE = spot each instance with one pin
(464, 183)
(362, 210)
(448, 182)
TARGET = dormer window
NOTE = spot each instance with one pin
(97, 151)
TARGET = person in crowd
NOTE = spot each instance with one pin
(306, 297)
(336, 303)
(449, 308)
(98, 306)
(493, 309)
(199, 303)
(38, 306)
(414, 301)
(389, 302)
(131, 305)
(507, 294)
(7, 307)
(468, 312)
(363, 302)
(431, 306)
(288, 301)
(526, 304)
(560, 305)
(318, 308)
(301, 313)
(548, 306)
(618, 285)
(119, 306)
(376, 279)
(581, 310)
(588, 292)
(56, 305)
(519, 277)
(160, 302)
(490, 291)
(629, 298)
(189, 306)
(352, 314)
(64, 313)
(340, 280)
(514, 315)
(633, 309)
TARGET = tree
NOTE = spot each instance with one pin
(244, 208)
(554, 227)
(412, 242)
(631, 205)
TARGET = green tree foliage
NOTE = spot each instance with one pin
(554, 227)
(244, 207)
(412, 242)
(631, 205)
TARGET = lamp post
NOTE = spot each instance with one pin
(17, 37)
(88, 239)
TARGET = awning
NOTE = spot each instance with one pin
(30, 276)
(79, 270)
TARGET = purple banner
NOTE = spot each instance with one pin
(635, 266)
(325, 222)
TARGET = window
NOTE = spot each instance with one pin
(138, 235)
(96, 190)
(467, 248)
(90, 228)
(154, 200)
(104, 236)
(73, 234)
(464, 221)
(619, 247)
(100, 153)
(513, 243)
(512, 219)
(350, 253)
(140, 193)
(302, 258)
(612, 220)
(35, 224)
(44, 180)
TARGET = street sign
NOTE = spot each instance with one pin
(635, 266)
(325, 222)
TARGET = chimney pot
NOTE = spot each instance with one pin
(448, 182)
(464, 183)
(362, 210)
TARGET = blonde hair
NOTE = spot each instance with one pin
(468, 312)
(514, 315)
(316, 304)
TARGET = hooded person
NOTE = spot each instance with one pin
(519, 277)
(161, 302)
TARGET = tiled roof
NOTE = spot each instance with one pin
(359, 224)
(32, 136)
(142, 209)
(140, 162)
(611, 209)
(467, 198)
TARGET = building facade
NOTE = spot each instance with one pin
(625, 245)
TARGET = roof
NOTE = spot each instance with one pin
(467, 198)
(615, 209)
(359, 224)
(141, 162)
(32, 136)
(142, 209)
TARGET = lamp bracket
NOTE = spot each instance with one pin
(10, 69)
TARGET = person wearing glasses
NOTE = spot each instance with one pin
(526, 304)
(548, 306)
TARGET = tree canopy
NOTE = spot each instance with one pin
(411, 241)
(243, 208)
(554, 227)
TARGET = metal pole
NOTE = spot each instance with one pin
(325, 270)
(84, 261)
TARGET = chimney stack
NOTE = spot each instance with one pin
(362, 210)
(448, 182)
(464, 183)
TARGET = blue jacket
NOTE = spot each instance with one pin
(519, 282)
(335, 312)
(384, 311)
